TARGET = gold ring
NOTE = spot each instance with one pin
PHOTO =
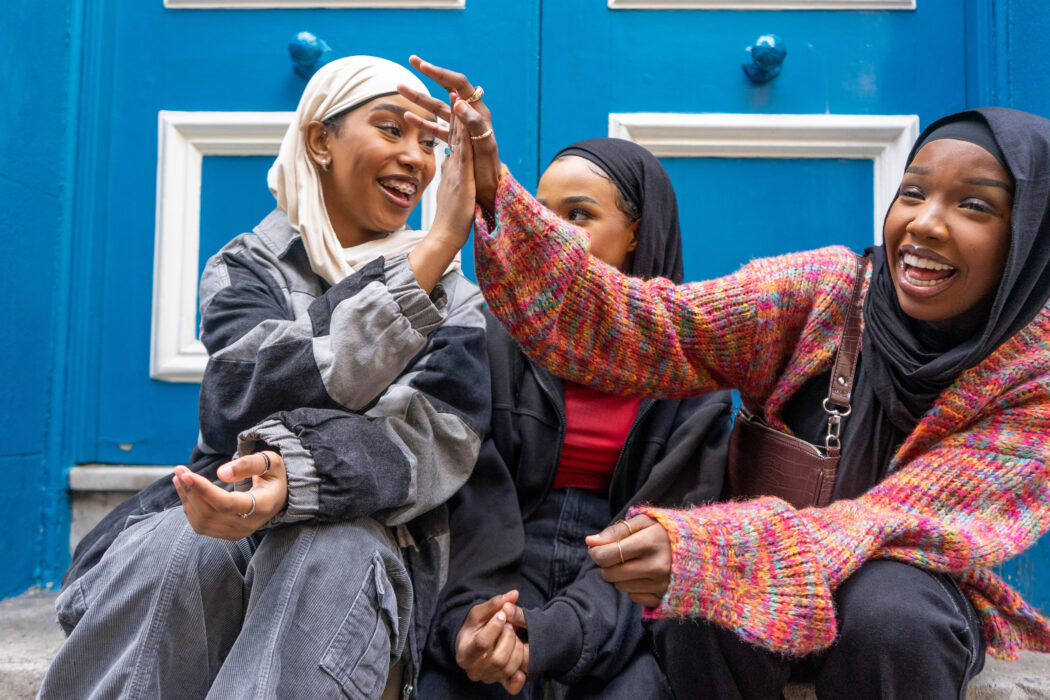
(488, 132)
(618, 548)
(478, 93)
(630, 530)
(255, 503)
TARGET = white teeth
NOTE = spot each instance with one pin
(925, 263)
(403, 187)
(924, 283)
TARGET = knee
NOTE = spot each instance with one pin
(894, 611)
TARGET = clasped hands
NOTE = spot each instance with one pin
(634, 555)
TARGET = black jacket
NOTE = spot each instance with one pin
(675, 453)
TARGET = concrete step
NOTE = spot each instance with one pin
(97, 489)
(31, 637)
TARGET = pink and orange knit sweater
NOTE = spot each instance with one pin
(969, 488)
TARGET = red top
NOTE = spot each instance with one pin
(596, 425)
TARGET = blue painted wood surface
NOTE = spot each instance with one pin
(80, 202)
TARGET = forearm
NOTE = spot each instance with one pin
(590, 323)
(326, 359)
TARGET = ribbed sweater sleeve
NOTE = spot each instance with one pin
(588, 322)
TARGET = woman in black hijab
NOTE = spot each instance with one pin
(564, 460)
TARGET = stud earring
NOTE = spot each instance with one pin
(324, 164)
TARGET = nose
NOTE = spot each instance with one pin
(928, 221)
(412, 156)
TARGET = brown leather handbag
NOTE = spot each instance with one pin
(764, 461)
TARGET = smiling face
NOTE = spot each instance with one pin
(579, 192)
(948, 233)
(377, 167)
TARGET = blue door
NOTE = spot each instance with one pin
(185, 101)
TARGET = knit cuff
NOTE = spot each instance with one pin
(748, 567)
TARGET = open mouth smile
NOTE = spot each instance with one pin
(400, 190)
(922, 275)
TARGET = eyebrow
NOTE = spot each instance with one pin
(396, 109)
(980, 181)
(575, 199)
(989, 182)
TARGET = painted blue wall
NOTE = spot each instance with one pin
(34, 156)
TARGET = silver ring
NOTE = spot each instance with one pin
(267, 458)
(449, 150)
(252, 511)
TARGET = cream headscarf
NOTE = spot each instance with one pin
(295, 181)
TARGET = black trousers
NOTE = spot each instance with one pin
(904, 633)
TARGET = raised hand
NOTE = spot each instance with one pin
(635, 556)
(488, 647)
(476, 118)
(215, 512)
(454, 215)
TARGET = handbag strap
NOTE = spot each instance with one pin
(840, 389)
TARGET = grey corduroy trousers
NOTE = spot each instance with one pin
(312, 610)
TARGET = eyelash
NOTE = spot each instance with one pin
(977, 205)
(576, 214)
(395, 130)
(974, 204)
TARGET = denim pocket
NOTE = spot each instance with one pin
(359, 655)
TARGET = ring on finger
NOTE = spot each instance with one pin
(267, 458)
(618, 547)
(478, 93)
(630, 530)
(488, 132)
(449, 150)
(255, 503)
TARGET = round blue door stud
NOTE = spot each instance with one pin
(767, 57)
(309, 53)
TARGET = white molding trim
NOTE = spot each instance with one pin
(176, 355)
(762, 4)
(184, 139)
(883, 139)
(322, 4)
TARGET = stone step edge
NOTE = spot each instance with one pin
(115, 477)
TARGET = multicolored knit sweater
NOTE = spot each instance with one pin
(970, 486)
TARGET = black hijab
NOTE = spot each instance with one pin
(906, 364)
(644, 184)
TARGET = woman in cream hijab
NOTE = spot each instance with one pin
(300, 552)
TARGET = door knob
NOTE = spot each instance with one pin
(767, 56)
(309, 53)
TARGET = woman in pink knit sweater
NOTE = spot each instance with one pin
(888, 591)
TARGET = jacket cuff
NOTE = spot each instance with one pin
(555, 639)
(303, 481)
(424, 312)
